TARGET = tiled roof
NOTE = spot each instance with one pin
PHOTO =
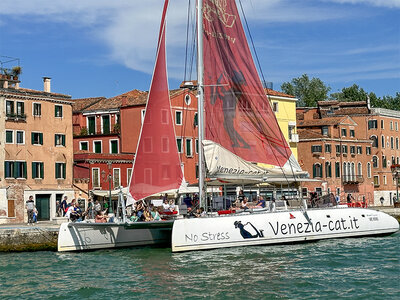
(35, 92)
(319, 122)
(270, 92)
(309, 134)
(342, 103)
(83, 103)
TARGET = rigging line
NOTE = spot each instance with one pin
(264, 83)
(187, 40)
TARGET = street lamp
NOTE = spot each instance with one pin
(109, 178)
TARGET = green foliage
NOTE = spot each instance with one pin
(309, 92)
(84, 131)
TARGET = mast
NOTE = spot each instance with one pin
(200, 99)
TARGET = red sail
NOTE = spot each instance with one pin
(157, 167)
(237, 113)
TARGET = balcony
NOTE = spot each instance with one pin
(352, 179)
(15, 117)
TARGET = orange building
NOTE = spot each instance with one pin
(349, 146)
(36, 150)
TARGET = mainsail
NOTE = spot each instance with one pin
(237, 112)
(157, 166)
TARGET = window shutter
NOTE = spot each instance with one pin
(55, 140)
(41, 138)
(314, 171)
(63, 140)
(42, 170)
(57, 170)
(34, 175)
(32, 138)
(64, 171)
(22, 108)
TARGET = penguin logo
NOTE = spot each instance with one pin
(250, 232)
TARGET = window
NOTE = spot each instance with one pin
(393, 160)
(352, 133)
(372, 124)
(179, 144)
(37, 170)
(8, 169)
(384, 162)
(291, 131)
(142, 115)
(359, 169)
(59, 140)
(391, 142)
(20, 109)
(328, 170)
(344, 149)
(196, 120)
(9, 108)
(20, 137)
(376, 180)
(116, 177)
(97, 146)
(337, 148)
(114, 146)
(344, 132)
(316, 148)
(384, 180)
(374, 141)
(317, 170)
(196, 146)
(37, 109)
(178, 117)
(9, 137)
(189, 149)
(382, 124)
(37, 138)
(60, 170)
(105, 122)
(396, 126)
(368, 150)
(374, 161)
(128, 174)
(383, 141)
(352, 149)
(391, 125)
(325, 130)
(15, 169)
(58, 111)
(84, 146)
(96, 177)
(304, 192)
(337, 169)
(359, 150)
(369, 170)
(91, 121)
(397, 143)
(328, 148)
(188, 100)
(275, 106)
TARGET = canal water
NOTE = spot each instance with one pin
(363, 268)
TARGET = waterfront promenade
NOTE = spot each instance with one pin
(43, 235)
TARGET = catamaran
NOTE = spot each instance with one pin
(235, 116)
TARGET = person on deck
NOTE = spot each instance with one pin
(241, 196)
(261, 202)
(30, 209)
(188, 201)
(245, 204)
(64, 205)
(101, 217)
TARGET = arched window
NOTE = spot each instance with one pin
(317, 170)
(375, 161)
(383, 141)
(337, 169)
(369, 170)
(391, 142)
(328, 169)
(353, 171)
(374, 141)
(359, 169)
(397, 143)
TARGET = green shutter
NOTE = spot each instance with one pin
(57, 170)
(34, 175)
(55, 140)
(32, 138)
(25, 170)
(314, 171)
(41, 138)
(63, 140)
(42, 170)
(64, 170)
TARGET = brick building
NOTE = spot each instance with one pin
(349, 146)
(35, 150)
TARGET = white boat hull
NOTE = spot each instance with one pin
(278, 227)
(91, 236)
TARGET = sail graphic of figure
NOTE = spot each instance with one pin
(230, 97)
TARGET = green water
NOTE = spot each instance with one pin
(363, 268)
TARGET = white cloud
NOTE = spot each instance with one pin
(378, 3)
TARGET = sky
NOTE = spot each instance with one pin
(93, 48)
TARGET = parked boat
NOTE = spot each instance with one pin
(239, 119)
(156, 168)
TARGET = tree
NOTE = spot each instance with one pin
(309, 92)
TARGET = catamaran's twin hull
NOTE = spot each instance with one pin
(279, 227)
(91, 236)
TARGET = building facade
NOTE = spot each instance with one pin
(36, 150)
(350, 147)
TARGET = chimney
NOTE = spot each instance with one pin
(124, 100)
(5, 84)
(46, 84)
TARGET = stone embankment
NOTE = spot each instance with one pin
(44, 235)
